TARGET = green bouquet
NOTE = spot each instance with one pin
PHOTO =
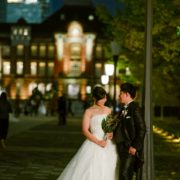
(109, 123)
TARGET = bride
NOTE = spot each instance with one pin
(97, 158)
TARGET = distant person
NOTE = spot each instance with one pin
(70, 107)
(51, 105)
(5, 109)
(62, 110)
(130, 132)
(17, 108)
(97, 158)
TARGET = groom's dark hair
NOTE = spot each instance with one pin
(129, 88)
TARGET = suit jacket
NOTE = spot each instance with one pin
(131, 128)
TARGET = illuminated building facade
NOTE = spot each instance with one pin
(65, 50)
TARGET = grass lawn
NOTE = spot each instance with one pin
(166, 153)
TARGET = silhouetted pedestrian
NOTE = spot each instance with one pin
(62, 111)
(70, 107)
(5, 109)
(17, 109)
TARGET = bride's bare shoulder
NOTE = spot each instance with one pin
(89, 110)
(108, 110)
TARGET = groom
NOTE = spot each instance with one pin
(130, 132)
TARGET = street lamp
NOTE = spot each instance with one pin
(104, 79)
(109, 69)
(115, 51)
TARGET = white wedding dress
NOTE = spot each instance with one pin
(92, 162)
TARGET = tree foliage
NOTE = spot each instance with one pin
(128, 28)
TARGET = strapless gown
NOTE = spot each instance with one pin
(92, 162)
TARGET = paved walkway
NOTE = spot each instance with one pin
(38, 149)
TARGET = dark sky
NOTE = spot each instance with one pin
(111, 5)
(32, 13)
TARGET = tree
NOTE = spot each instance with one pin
(127, 26)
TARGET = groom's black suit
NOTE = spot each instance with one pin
(130, 132)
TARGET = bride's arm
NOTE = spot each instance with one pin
(87, 133)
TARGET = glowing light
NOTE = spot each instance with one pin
(75, 32)
(178, 31)
(75, 29)
(88, 89)
(91, 17)
(89, 46)
(104, 79)
(60, 46)
(169, 137)
(109, 69)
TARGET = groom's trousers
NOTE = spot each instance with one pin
(126, 163)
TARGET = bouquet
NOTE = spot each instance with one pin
(109, 123)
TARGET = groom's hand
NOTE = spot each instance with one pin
(132, 151)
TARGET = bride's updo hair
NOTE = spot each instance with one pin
(98, 93)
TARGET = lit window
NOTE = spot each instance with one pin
(20, 50)
(31, 1)
(89, 46)
(20, 31)
(15, 31)
(75, 51)
(33, 68)
(19, 67)
(75, 68)
(73, 90)
(34, 50)
(98, 51)
(6, 67)
(20, 34)
(26, 32)
(98, 67)
(15, 1)
(50, 68)
(50, 51)
(42, 69)
(42, 50)
(23, 1)
(5, 51)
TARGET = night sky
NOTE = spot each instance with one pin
(32, 13)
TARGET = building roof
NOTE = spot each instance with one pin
(58, 22)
